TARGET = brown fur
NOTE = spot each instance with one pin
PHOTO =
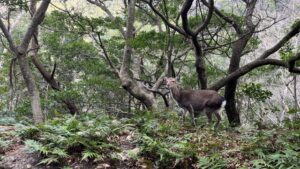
(193, 101)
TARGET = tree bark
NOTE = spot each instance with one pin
(237, 50)
(230, 88)
(20, 53)
(135, 88)
(199, 64)
(193, 34)
(32, 89)
(46, 75)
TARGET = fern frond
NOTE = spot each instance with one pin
(88, 154)
(49, 160)
(35, 146)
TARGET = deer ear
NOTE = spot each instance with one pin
(177, 78)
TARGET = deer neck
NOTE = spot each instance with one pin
(175, 92)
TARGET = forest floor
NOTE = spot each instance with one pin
(15, 156)
(147, 141)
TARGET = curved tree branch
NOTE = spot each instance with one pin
(229, 20)
(295, 30)
(108, 12)
(184, 17)
(246, 69)
(207, 19)
(165, 20)
(7, 35)
(292, 62)
(37, 18)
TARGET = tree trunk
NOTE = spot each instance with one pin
(237, 50)
(21, 51)
(46, 75)
(199, 64)
(135, 88)
(230, 88)
(32, 89)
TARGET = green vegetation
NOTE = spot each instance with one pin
(85, 85)
(160, 140)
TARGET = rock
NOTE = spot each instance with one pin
(103, 166)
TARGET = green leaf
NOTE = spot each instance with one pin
(49, 160)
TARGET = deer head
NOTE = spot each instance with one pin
(171, 82)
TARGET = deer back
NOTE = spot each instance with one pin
(200, 99)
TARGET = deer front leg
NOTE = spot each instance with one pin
(182, 114)
(191, 111)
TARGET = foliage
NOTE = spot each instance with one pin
(286, 52)
(71, 41)
(59, 138)
(255, 91)
(213, 161)
(15, 4)
(3, 144)
(166, 143)
(160, 140)
(279, 150)
(7, 121)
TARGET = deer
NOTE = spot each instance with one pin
(197, 101)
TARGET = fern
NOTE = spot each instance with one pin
(49, 160)
(35, 146)
(29, 131)
(4, 143)
(88, 154)
(214, 161)
(60, 138)
(61, 153)
(260, 163)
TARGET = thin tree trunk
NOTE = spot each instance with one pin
(295, 92)
(32, 89)
(199, 64)
(237, 50)
(133, 87)
(21, 51)
(46, 75)
(230, 88)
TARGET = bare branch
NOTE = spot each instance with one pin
(229, 20)
(7, 36)
(165, 20)
(53, 70)
(36, 20)
(107, 58)
(184, 17)
(108, 12)
(245, 69)
(208, 17)
(295, 30)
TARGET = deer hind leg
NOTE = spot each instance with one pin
(192, 114)
(209, 116)
(217, 114)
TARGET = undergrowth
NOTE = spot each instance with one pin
(89, 138)
(162, 141)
